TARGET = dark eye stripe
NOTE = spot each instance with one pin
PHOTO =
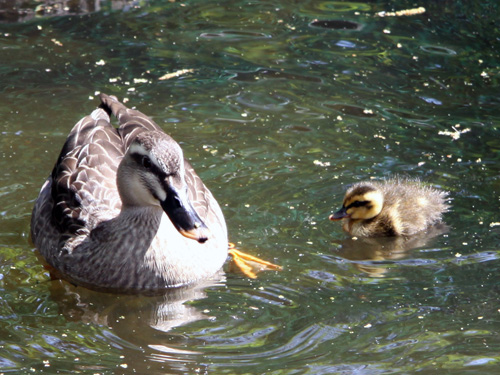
(358, 204)
(153, 168)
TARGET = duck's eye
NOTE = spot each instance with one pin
(359, 203)
(146, 162)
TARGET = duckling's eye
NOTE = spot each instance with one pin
(359, 203)
(146, 162)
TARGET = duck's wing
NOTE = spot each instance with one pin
(202, 199)
(83, 181)
(131, 123)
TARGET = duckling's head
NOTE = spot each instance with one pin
(361, 202)
(152, 173)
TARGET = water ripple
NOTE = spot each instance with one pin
(233, 36)
(333, 7)
(270, 102)
(272, 74)
(304, 341)
(438, 50)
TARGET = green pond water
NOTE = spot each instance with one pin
(283, 105)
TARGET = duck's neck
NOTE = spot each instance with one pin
(133, 230)
(140, 216)
(139, 224)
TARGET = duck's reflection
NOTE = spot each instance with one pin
(141, 327)
(160, 312)
(373, 255)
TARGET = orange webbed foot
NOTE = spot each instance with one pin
(248, 264)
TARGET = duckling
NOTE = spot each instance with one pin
(397, 207)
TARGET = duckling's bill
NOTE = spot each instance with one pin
(339, 215)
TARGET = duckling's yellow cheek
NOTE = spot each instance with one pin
(354, 213)
(362, 213)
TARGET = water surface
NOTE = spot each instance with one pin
(283, 105)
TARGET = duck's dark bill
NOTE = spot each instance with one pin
(339, 215)
(182, 214)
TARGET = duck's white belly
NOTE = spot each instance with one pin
(181, 260)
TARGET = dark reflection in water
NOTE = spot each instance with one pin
(351, 110)
(337, 24)
(161, 312)
(376, 255)
(139, 325)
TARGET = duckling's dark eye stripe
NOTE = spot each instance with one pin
(358, 204)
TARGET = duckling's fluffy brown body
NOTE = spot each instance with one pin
(397, 207)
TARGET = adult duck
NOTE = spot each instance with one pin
(123, 210)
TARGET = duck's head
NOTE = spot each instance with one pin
(361, 202)
(152, 173)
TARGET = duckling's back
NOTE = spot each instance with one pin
(411, 206)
